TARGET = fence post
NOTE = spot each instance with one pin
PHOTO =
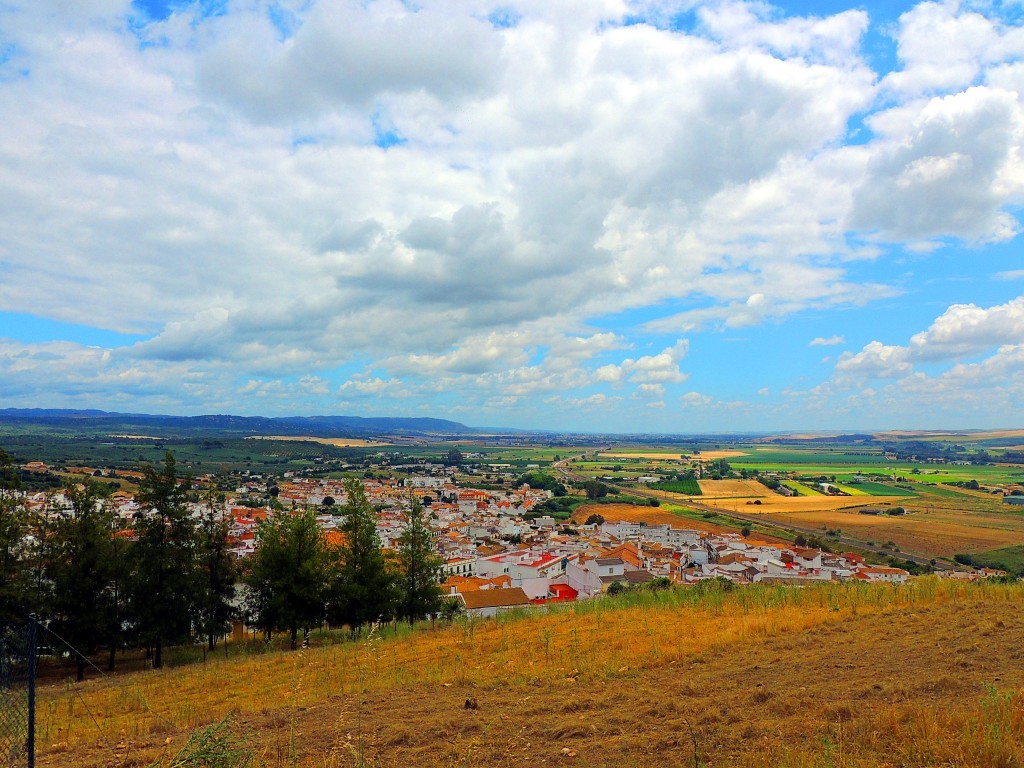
(33, 656)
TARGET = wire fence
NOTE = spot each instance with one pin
(18, 653)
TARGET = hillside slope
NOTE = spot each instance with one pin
(926, 675)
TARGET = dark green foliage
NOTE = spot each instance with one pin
(595, 489)
(1009, 559)
(218, 572)
(542, 481)
(595, 519)
(80, 568)
(288, 576)
(164, 586)
(616, 588)
(418, 568)
(362, 589)
(14, 525)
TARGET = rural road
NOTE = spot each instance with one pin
(763, 520)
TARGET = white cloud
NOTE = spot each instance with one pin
(831, 341)
(962, 331)
(659, 368)
(695, 400)
(876, 361)
(216, 187)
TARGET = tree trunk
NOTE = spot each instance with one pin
(295, 638)
(158, 657)
(110, 659)
(79, 667)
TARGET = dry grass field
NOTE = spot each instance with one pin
(722, 454)
(845, 676)
(641, 514)
(339, 442)
(638, 455)
(936, 526)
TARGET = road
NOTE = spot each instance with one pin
(914, 557)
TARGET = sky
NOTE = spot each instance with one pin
(586, 215)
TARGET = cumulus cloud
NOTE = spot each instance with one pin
(961, 332)
(660, 368)
(393, 200)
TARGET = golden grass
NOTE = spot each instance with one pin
(722, 454)
(716, 489)
(648, 455)
(340, 442)
(629, 513)
(844, 675)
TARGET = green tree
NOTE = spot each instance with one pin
(287, 582)
(164, 588)
(218, 572)
(595, 489)
(595, 519)
(80, 566)
(363, 589)
(14, 528)
(419, 568)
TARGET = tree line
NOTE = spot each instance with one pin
(169, 577)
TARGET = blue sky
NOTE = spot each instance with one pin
(595, 215)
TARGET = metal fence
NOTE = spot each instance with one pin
(18, 655)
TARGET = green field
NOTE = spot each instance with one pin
(1010, 559)
(801, 489)
(687, 487)
(881, 489)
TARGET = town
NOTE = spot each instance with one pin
(497, 552)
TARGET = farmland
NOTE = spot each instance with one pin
(942, 519)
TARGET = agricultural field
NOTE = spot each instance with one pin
(734, 489)
(877, 489)
(688, 487)
(663, 515)
(801, 677)
(340, 442)
(939, 525)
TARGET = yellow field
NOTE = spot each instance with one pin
(992, 434)
(632, 455)
(714, 489)
(714, 455)
(613, 683)
(629, 513)
(340, 442)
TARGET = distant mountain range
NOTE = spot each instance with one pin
(319, 426)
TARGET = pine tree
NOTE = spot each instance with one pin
(287, 581)
(363, 589)
(218, 573)
(419, 568)
(14, 528)
(164, 599)
(79, 567)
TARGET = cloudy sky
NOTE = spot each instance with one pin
(600, 215)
